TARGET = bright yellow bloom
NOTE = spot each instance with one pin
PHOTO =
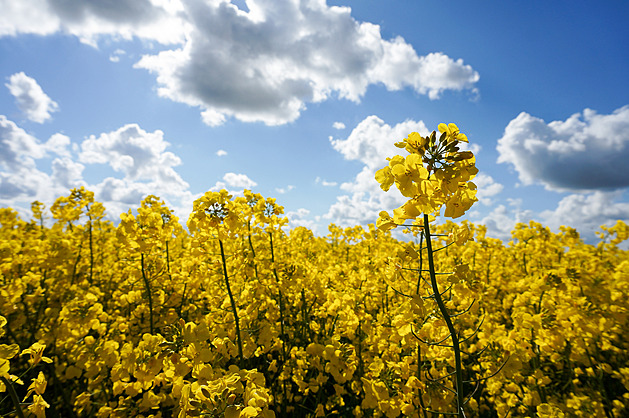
(38, 386)
(460, 234)
(433, 174)
(37, 354)
(452, 131)
(7, 352)
(385, 222)
(385, 178)
(38, 407)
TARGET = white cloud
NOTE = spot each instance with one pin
(487, 188)
(587, 212)
(221, 153)
(585, 152)
(284, 190)
(371, 141)
(27, 16)
(299, 217)
(17, 148)
(325, 183)
(264, 62)
(20, 178)
(268, 63)
(357, 209)
(89, 20)
(140, 155)
(120, 194)
(338, 125)
(239, 180)
(212, 117)
(431, 74)
(234, 183)
(30, 98)
(67, 173)
(115, 56)
(502, 219)
(58, 144)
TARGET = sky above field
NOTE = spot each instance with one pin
(303, 100)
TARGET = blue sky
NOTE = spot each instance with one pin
(302, 101)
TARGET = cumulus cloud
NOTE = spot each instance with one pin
(239, 180)
(20, 179)
(359, 208)
(325, 183)
(370, 142)
(268, 63)
(587, 211)
(234, 183)
(502, 219)
(19, 176)
(89, 20)
(587, 151)
(67, 173)
(264, 62)
(30, 98)
(115, 56)
(221, 153)
(284, 190)
(140, 155)
(338, 125)
(140, 158)
(58, 144)
(300, 217)
(28, 16)
(487, 188)
(17, 148)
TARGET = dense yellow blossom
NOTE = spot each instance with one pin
(135, 320)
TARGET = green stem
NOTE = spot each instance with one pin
(281, 302)
(168, 261)
(419, 376)
(148, 291)
(91, 249)
(232, 302)
(421, 264)
(446, 316)
(16, 401)
(253, 251)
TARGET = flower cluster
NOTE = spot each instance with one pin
(136, 320)
(435, 173)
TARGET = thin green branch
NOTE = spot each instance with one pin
(232, 302)
(446, 316)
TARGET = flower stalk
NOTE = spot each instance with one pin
(446, 317)
(232, 302)
(435, 174)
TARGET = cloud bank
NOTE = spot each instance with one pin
(587, 151)
(30, 98)
(92, 20)
(261, 65)
(265, 65)
(31, 169)
(371, 142)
